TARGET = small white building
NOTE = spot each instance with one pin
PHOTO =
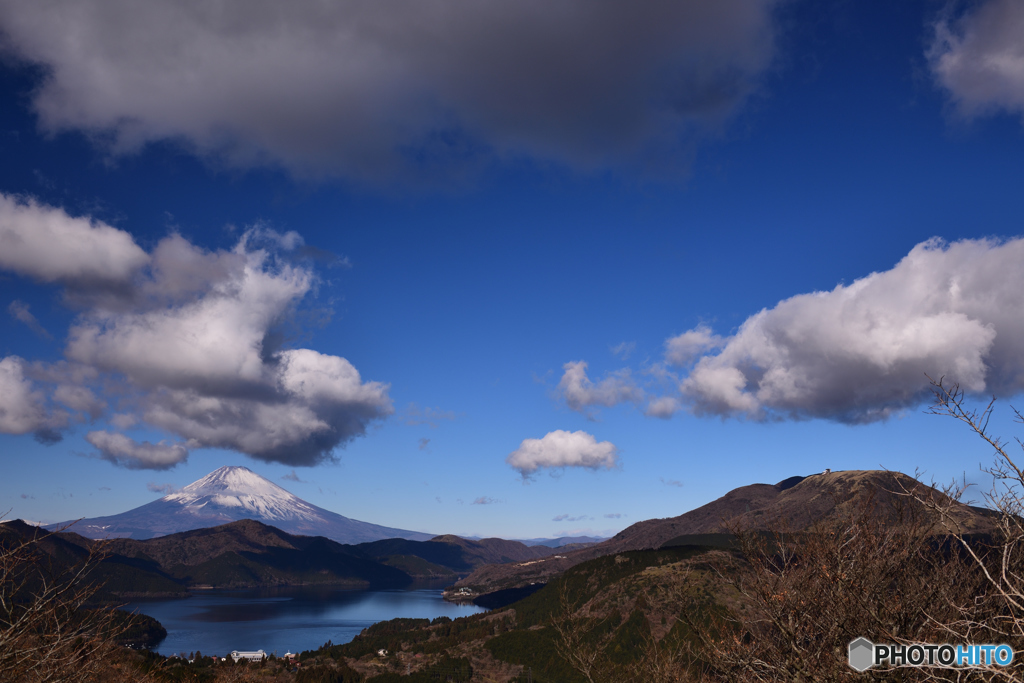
(257, 656)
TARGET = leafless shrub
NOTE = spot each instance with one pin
(45, 634)
(806, 595)
(994, 613)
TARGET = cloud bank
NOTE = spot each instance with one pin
(191, 338)
(978, 58)
(859, 353)
(560, 449)
(856, 354)
(364, 88)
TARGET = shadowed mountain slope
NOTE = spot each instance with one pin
(243, 554)
(459, 556)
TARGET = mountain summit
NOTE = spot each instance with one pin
(230, 494)
(233, 493)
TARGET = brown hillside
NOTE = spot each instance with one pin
(496, 550)
(793, 504)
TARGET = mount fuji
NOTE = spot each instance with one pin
(227, 495)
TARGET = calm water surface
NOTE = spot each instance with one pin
(296, 619)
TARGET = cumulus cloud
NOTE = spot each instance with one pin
(19, 311)
(193, 337)
(364, 89)
(978, 58)
(559, 449)
(46, 244)
(291, 476)
(126, 452)
(860, 352)
(690, 345)
(580, 393)
(160, 488)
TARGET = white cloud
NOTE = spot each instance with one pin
(215, 339)
(581, 393)
(860, 352)
(690, 345)
(129, 453)
(192, 337)
(560, 449)
(979, 57)
(362, 88)
(160, 488)
(47, 244)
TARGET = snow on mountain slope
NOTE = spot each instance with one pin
(227, 495)
(242, 494)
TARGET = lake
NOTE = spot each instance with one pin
(283, 619)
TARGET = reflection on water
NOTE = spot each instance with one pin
(296, 619)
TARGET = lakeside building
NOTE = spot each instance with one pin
(257, 656)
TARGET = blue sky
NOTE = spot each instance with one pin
(370, 250)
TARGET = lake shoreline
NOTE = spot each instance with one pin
(295, 618)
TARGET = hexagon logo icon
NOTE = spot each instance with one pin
(860, 654)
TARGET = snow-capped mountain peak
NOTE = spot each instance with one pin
(230, 494)
(238, 491)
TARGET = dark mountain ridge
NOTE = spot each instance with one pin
(250, 554)
(243, 554)
(793, 504)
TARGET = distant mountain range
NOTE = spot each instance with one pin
(230, 494)
(562, 541)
